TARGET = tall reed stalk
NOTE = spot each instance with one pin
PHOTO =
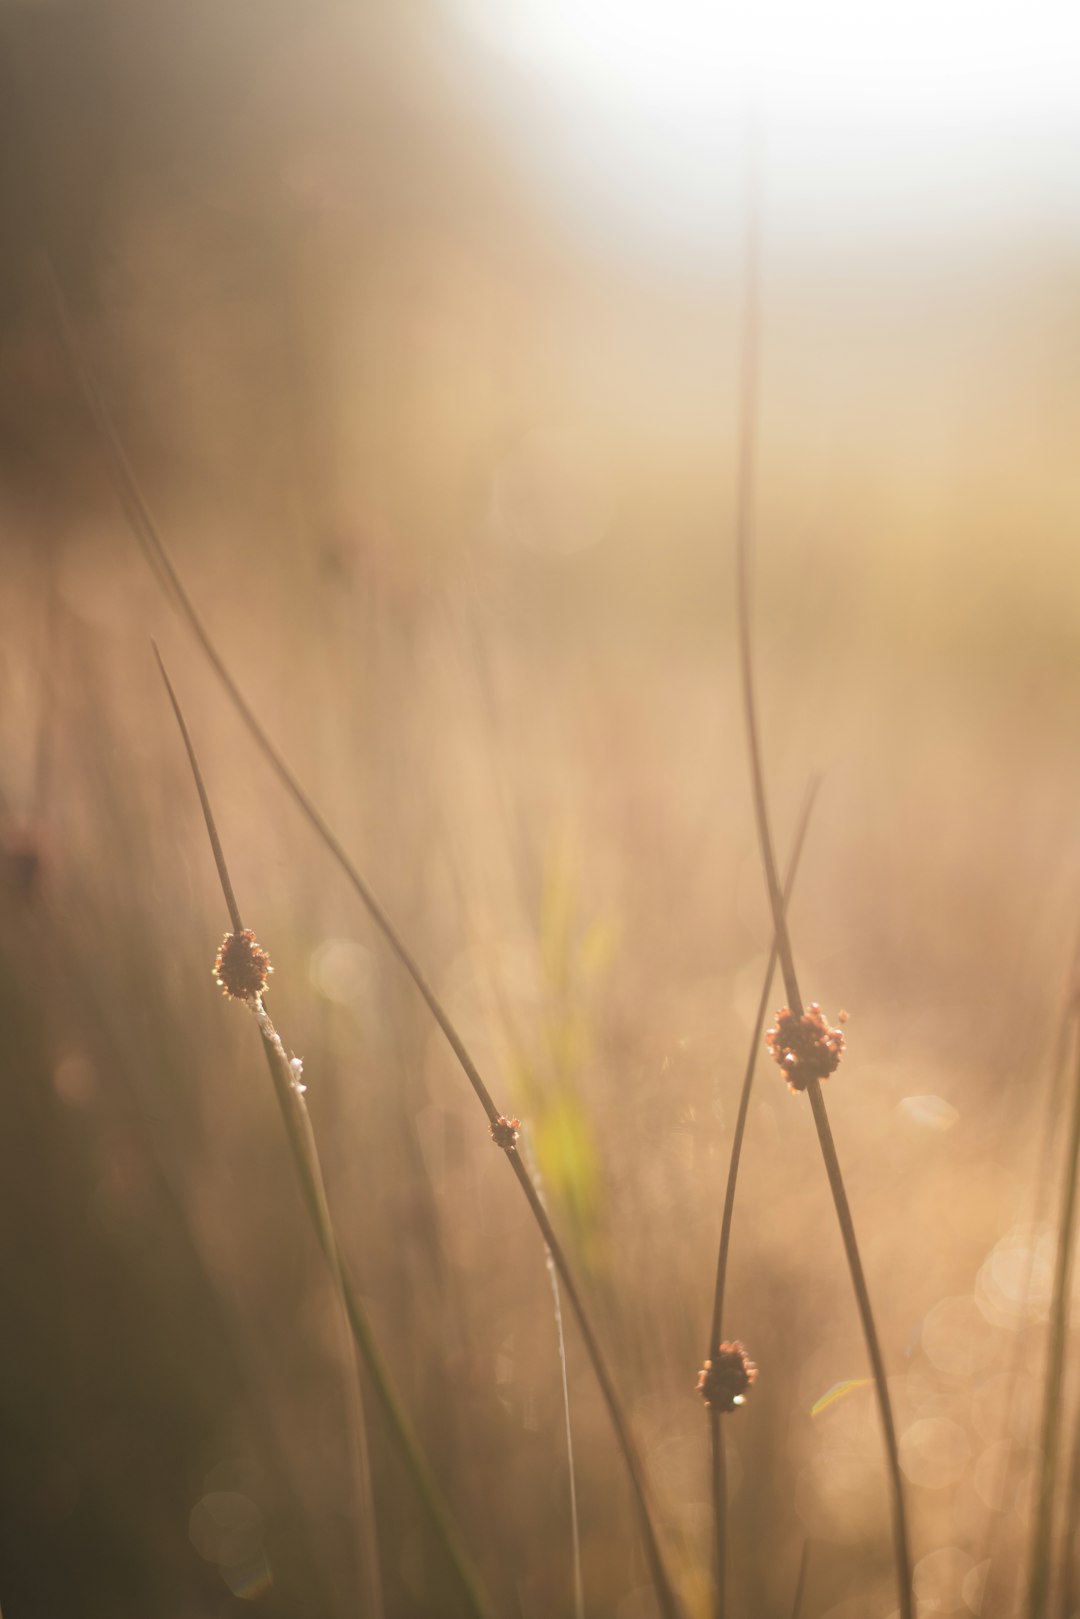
(164, 569)
(285, 1075)
(718, 1471)
(1039, 1574)
(748, 410)
(1067, 1597)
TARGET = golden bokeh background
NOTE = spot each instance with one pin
(429, 374)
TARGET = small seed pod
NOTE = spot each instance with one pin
(724, 1380)
(504, 1132)
(242, 967)
(805, 1047)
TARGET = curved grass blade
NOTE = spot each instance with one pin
(160, 561)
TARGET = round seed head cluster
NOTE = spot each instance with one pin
(504, 1132)
(242, 967)
(805, 1047)
(724, 1380)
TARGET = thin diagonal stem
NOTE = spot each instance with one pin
(719, 1481)
(1040, 1569)
(744, 539)
(200, 787)
(297, 1122)
(739, 1131)
(309, 1170)
(157, 553)
(873, 1346)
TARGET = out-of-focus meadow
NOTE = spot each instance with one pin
(443, 443)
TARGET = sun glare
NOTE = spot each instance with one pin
(633, 113)
(960, 55)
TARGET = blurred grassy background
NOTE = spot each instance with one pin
(447, 462)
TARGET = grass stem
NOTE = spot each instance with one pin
(873, 1346)
(164, 569)
(1039, 1575)
(719, 1488)
(748, 414)
(305, 1154)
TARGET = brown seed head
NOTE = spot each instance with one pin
(504, 1132)
(242, 967)
(724, 1380)
(805, 1048)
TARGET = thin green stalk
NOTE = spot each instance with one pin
(306, 1154)
(1040, 1569)
(290, 1095)
(297, 1122)
(719, 1483)
(157, 554)
(744, 538)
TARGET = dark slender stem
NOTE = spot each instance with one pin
(1040, 1570)
(744, 541)
(744, 533)
(719, 1488)
(200, 787)
(739, 1132)
(873, 1346)
(306, 1159)
(301, 1139)
(306, 1156)
(153, 545)
(718, 1480)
